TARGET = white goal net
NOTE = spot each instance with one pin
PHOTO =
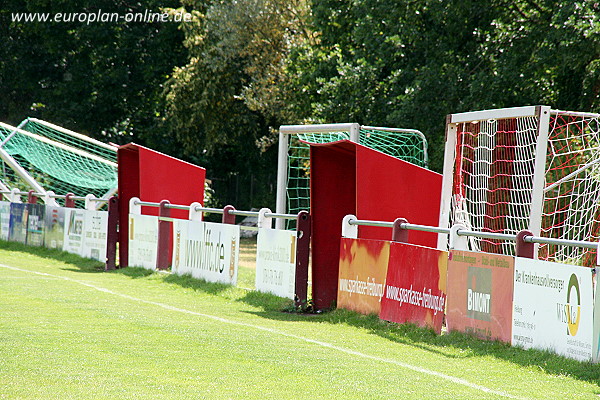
(524, 168)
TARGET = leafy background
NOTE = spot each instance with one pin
(215, 90)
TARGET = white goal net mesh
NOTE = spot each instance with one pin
(494, 176)
(572, 191)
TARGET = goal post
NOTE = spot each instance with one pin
(293, 166)
(43, 156)
(519, 168)
(286, 133)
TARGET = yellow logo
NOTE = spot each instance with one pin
(573, 311)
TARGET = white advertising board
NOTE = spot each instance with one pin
(4, 219)
(596, 343)
(276, 262)
(206, 250)
(553, 308)
(143, 241)
(73, 234)
(55, 227)
(95, 230)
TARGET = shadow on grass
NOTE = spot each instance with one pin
(198, 285)
(426, 339)
(277, 308)
(73, 262)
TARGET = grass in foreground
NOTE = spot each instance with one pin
(78, 332)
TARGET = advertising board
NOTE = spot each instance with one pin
(480, 294)
(18, 222)
(54, 235)
(206, 250)
(143, 241)
(276, 262)
(362, 273)
(415, 290)
(73, 233)
(553, 308)
(95, 231)
(36, 224)
(4, 219)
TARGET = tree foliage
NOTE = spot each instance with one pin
(224, 103)
(409, 64)
(103, 79)
(216, 89)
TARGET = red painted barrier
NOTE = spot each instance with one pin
(480, 294)
(347, 178)
(153, 177)
(415, 289)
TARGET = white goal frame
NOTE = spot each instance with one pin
(542, 115)
(353, 130)
(282, 160)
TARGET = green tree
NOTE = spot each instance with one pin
(225, 104)
(103, 79)
(409, 64)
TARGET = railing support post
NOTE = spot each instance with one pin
(49, 200)
(90, 204)
(164, 236)
(303, 233)
(14, 196)
(69, 201)
(522, 248)
(400, 234)
(228, 218)
(112, 236)
(31, 198)
(348, 230)
(456, 241)
(195, 215)
(263, 220)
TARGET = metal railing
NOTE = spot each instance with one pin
(264, 212)
(524, 240)
(264, 220)
(49, 198)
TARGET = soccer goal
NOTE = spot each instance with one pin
(44, 157)
(293, 171)
(532, 168)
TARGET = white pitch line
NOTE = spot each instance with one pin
(450, 378)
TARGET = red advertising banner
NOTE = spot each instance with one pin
(362, 273)
(415, 289)
(480, 294)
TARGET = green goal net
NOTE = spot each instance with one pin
(57, 159)
(406, 144)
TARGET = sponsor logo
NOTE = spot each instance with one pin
(479, 293)
(570, 312)
(206, 254)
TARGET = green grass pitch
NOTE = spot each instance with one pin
(68, 330)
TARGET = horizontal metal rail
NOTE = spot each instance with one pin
(487, 235)
(209, 210)
(562, 242)
(424, 228)
(243, 213)
(217, 210)
(281, 216)
(53, 196)
(362, 222)
(407, 226)
(146, 204)
(481, 235)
